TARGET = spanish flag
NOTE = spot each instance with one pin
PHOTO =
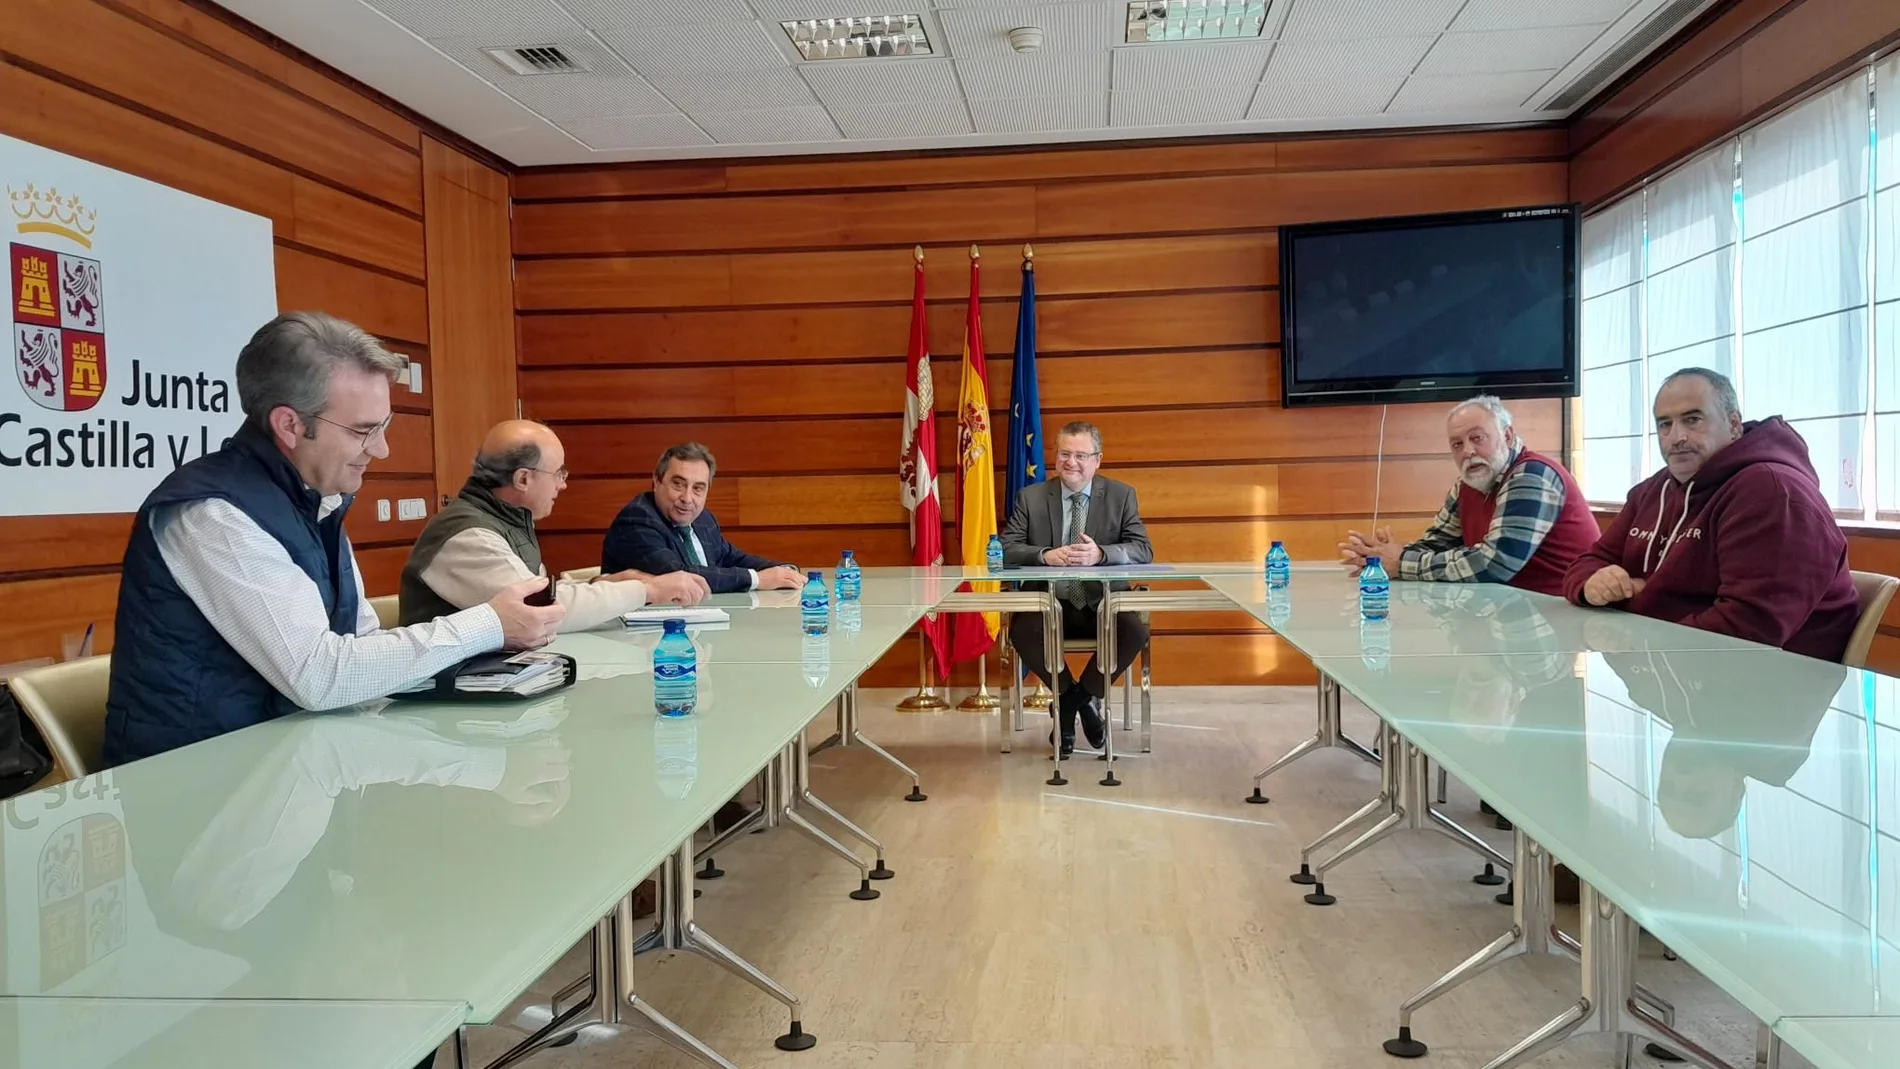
(972, 635)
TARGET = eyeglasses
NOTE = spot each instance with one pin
(559, 474)
(1077, 457)
(367, 435)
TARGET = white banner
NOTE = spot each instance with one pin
(127, 305)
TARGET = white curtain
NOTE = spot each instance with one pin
(1886, 180)
(1690, 290)
(1612, 350)
(1804, 279)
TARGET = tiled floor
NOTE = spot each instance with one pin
(1149, 926)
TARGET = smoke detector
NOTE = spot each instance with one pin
(1026, 38)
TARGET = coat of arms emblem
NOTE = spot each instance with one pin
(57, 300)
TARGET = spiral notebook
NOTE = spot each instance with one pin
(656, 615)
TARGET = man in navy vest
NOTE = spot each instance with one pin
(1514, 516)
(240, 599)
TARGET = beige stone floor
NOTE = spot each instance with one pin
(1146, 927)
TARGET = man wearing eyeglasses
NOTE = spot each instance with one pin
(240, 600)
(484, 540)
(1077, 520)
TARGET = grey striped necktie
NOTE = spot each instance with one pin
(1069, 590)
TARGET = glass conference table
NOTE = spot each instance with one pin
(1739, 803)
(363, 857)
(163, 1033)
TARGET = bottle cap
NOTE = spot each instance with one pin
(674, 627)
(847, 553)
(1370, 561)
(1276, 544)
(816, 577)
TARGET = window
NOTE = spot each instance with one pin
(1773, 258)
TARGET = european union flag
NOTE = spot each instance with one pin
(1025, 406)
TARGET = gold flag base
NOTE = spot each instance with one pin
(982, 701)
(926, 700)
(1040, 698)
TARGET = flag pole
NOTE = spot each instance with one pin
(926, 700)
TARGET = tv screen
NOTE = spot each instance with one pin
(1430, 308)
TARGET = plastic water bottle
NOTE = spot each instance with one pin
(675, 755)
(850, 617)
(814, 605)
(814, 655)
(675, 671)
(1375, 590)
(1279, 567)
(850, 579)
(1375, 643)
(993, 556)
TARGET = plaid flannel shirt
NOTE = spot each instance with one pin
(1529, 503)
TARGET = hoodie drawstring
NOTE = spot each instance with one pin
(1684, 518)
(1647, 550)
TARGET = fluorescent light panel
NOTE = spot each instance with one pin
(859, 37)
(1160, 21)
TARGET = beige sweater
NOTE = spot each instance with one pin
(477, 564)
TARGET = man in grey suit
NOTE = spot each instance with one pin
(1078, 519)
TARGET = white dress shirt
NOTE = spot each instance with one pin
(699, 555)
(272, 614)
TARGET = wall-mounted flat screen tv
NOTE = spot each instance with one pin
(1431, 307)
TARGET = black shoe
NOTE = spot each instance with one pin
(1068, 742)
(1092, 725)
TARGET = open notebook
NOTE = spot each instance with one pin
(656, 615)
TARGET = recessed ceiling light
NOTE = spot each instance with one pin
(1160, 21)
(859, 37)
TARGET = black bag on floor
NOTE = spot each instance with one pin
(23, 753)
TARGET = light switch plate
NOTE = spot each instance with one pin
(412, 508)
(415, 377)
(382, 510)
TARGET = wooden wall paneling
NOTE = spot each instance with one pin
(819, 220)
(41, 611)
(60, 543)
(366, 530)
(1129, 265)
(471, 327)
(1067, 383)
(1235, 202)
(381, 568)
(352, 227)
(90, 42)
(387, 307)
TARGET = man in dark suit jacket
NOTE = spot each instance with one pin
(669, 529)
(1078, 519)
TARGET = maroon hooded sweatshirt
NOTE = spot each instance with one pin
(1747, 548)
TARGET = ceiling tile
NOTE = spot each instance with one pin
(702, 91)
(574, 96)
(1367, 18)
(859, 83)
(1169, 67)
(770, 126)
(1505, 51)
(1532, 14)
(508, 22)
(1336, 99)
(1020, 115)
(1222, 103)
(1036, 75)
(617, 15)
(612, 132)
(932, 118)
(702, 46)
(983, 32)
(1468, 92)
(1319, 60)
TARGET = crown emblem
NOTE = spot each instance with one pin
(38, 211)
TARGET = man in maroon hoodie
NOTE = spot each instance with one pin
(1731, 536)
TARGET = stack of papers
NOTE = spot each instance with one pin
(522, 674)
(656, 615)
